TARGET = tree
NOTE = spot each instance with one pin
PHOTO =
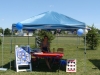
(7, 31)
(99, 31)
(92, 38)
(1, 30)
(43, 33)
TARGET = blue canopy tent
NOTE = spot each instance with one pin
(51, 20)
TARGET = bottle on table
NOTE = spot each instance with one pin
(53, 49)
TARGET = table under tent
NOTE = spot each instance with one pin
(51, 20)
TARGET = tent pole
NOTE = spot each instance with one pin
(77, 41)
(2, 47)
(11, 48)
(28, 37)
(85, 55)
(35, 41)
(77, 45)
(57, 40)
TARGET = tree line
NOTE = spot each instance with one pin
(8, 31)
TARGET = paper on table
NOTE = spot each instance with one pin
(38, 52)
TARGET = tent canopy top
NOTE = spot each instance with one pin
(51, 20)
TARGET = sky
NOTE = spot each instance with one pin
(14, 11)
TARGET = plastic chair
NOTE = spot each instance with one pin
(60, 50)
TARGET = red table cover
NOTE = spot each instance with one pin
(60, 55)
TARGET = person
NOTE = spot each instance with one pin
(45, 45)
(45, 48)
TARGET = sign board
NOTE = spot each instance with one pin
(71, 65)
(23, 57)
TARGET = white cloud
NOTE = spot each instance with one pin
(50, 6)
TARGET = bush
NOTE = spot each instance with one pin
(92, 38)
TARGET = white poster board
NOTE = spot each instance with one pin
(23, 57)
(71, 65)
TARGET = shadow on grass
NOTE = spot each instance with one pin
(12, 65)
(95, 62)
(42, 67)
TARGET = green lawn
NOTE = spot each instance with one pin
(88, 64)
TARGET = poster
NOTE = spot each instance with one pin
(71, 65)
(23, 56)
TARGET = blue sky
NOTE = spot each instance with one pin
(13, 11)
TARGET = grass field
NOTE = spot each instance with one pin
(88, 64)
